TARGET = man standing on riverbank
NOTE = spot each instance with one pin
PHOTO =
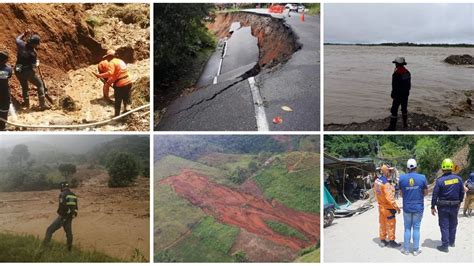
(401, 85)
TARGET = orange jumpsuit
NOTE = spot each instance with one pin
(117, 75)
(385, 195)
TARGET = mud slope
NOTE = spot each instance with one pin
(276, 41)
(246, 211)
(111, 220)
(74, 37)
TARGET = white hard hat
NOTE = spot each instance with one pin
(399, 60)
(411, 164)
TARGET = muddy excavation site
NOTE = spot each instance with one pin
(263, 62)
(74, 38)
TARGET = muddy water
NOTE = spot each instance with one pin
(357, 82)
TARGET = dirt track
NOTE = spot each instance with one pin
(244, 210)
(115, 221)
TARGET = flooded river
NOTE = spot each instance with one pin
(357, 83)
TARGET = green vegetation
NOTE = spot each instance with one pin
(138, 146)
(172, 165)
(123, 170)
(313, 8)
(180, 38)
(131, 14)
(311, 254)
(174, 216)
(298, 190)
(240, 256)
(209, 241)
(429, 150)
(285, 230)
(67, 170)
(27, 248)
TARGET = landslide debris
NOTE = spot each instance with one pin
(74, 39)
(244, 210)
(460, 60)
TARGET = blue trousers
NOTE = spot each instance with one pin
(412, 222)
(448, 222)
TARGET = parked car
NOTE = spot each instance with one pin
(301, 8)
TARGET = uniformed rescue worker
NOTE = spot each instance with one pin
(414, 188)
(5, 74)
(118, 77)
(67, 210)
(401, 85)
(448, 194)
(385, 195)
(469, 189)
(26, 65)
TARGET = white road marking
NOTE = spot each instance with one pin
(260, 116)
(215, 80)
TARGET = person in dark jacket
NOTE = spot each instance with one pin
(448, 194)
(401, 85)
(67, 210)
(26, 65)
(5, 74)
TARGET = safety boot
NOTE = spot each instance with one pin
(42, 104)
(383, 243)
(393, 124)
(393, 244)
(442, 249)
(26, 103)
(405, 121)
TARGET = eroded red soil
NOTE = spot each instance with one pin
(244, 210)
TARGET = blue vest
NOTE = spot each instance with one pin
(412, 186)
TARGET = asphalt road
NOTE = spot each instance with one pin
(228, 105)
(355, 239)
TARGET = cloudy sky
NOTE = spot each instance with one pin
(418, 23)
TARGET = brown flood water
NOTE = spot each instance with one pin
(357, 83)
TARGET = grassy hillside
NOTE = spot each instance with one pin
(226, 162)
(299, 188)
(313, 256)
(174, 216)
(209, 241)
(171, 165)
(27, 248)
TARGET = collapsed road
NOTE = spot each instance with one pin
(263, 62)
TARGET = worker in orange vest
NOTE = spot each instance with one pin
(116, 76)
(385, 195)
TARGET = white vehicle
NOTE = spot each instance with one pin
(301, 8)
(292, 7)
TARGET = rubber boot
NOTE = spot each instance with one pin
(393, 124)
(42, 104)
(405, 121)
(26, 103)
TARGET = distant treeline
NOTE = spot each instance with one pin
(463, 45)
(191, 147)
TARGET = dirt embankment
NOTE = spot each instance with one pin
(460, 60)
(416, 122)
(74, 37)
(245, 210)
(111, 220)
(276, 40)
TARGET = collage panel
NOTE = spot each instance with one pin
(398, 66)
(237, 67)
(406, 198)
(75, 198)
(236, 198)
(74, 67)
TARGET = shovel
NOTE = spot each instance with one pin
(50, 100)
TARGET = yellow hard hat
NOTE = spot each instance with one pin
(447, 164)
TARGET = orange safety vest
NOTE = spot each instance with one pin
(385, 194)
(117, 74)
